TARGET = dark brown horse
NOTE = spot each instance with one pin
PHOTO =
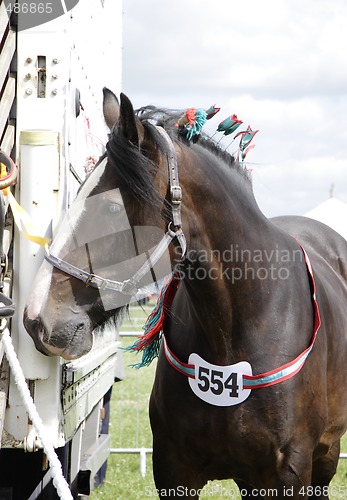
(252, 382)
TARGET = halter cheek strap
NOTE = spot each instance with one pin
(175, 192)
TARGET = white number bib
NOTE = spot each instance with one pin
(219, 385)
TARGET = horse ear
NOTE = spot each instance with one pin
(110, 107)
(130, 125)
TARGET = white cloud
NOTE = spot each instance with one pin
(280, 65)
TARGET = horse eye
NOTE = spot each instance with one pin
(115, 208)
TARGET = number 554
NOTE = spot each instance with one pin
(213, 380)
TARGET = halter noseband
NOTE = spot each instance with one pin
(174, 230)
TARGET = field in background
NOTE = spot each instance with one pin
(130, 428)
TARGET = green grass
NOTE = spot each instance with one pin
(129, 411)
(129, 424)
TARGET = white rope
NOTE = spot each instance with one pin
(59, 481)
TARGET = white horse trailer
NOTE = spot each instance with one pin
(51, 124)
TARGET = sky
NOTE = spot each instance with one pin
(279, 65)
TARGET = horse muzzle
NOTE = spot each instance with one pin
(70, 340)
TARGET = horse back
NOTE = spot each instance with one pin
(322, 243)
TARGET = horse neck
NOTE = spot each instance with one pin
(224, 225)
(221, 215)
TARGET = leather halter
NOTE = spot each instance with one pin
(174, 230)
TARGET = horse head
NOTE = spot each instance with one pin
(114, 239)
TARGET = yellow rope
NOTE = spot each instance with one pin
(21, 217)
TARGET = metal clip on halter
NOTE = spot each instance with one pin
(176, 195)
(129, 288)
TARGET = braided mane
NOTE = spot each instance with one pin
(168, 118)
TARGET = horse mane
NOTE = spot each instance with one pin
(134, 167)
(167, 118)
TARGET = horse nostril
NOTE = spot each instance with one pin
(38, 333)
(34, 327)
(31, 325)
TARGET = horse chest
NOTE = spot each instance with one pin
(219, 440)
(226, 429)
